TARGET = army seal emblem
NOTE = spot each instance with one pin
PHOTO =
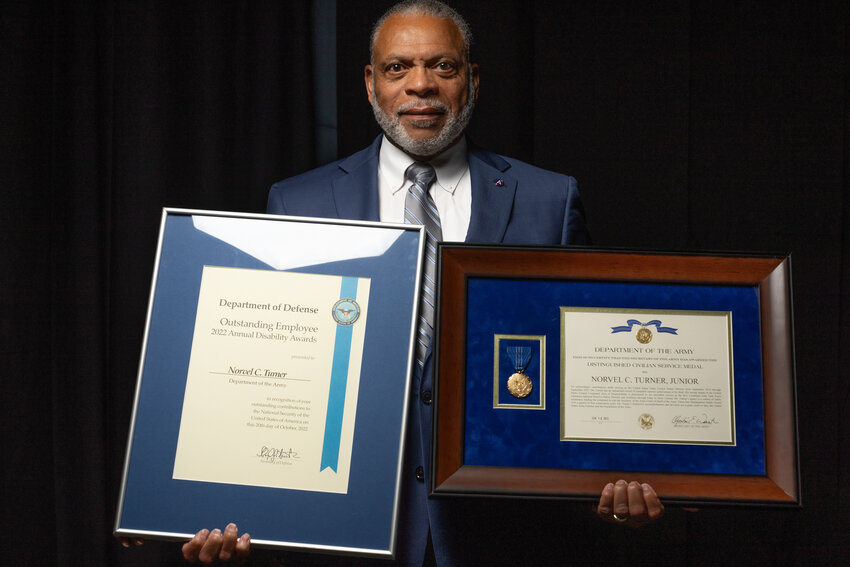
(644, 335)
(646, 421)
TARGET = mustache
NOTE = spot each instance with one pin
(439, 105)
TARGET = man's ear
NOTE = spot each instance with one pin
(473, 68)
(367, 76)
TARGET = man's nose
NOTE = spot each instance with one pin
(421, 81)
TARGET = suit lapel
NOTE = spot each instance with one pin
(356, 193)
(493, 193)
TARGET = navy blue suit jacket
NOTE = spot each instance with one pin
(512, 202)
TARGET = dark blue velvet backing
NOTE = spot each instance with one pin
(361, 518)
(522, 438)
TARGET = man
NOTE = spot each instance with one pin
(423, 89)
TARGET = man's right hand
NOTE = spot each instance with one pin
(211, 546)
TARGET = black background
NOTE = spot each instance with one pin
(690, 125)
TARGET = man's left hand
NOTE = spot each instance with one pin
(633, 504)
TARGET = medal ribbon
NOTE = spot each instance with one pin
(339, 382)
(521, 356)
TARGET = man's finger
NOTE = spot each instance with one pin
(654, 507)
(130, 541)
(209, 552)
(228, 542)
(192, 547)
(637, 505)
(243, 546)
(621, 499)
(605, 507)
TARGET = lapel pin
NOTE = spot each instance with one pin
(499, 182)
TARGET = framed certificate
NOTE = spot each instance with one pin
(273, 384)
(560, 370)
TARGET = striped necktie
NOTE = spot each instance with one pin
(419, 208)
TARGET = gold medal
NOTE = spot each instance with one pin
(519, 385)
(644, 336)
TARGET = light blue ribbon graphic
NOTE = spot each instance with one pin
(339, 381)
(631, 322)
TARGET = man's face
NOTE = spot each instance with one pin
(421, 87)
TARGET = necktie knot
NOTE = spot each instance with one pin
(419, 206)
(420, 173)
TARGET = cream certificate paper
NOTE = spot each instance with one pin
(273, 377)
(647, 376)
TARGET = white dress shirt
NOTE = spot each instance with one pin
(452, 191)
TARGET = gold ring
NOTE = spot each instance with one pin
(621, 518)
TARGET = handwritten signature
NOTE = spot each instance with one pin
(271, 454)
(703, 419)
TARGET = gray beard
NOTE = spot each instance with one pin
(427, 147)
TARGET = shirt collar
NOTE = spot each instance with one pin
(450, 166)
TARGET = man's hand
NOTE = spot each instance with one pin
(633, 504)
(211, 546)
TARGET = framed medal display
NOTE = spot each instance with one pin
(561, 369)
(518, 365)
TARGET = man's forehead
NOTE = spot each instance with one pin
(401, 34)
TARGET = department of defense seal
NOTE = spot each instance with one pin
(345, 311)
(644, 335)
(519, 385)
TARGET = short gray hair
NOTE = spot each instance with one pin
(423, 8)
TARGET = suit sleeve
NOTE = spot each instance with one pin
(574, 230)
(275, 204)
